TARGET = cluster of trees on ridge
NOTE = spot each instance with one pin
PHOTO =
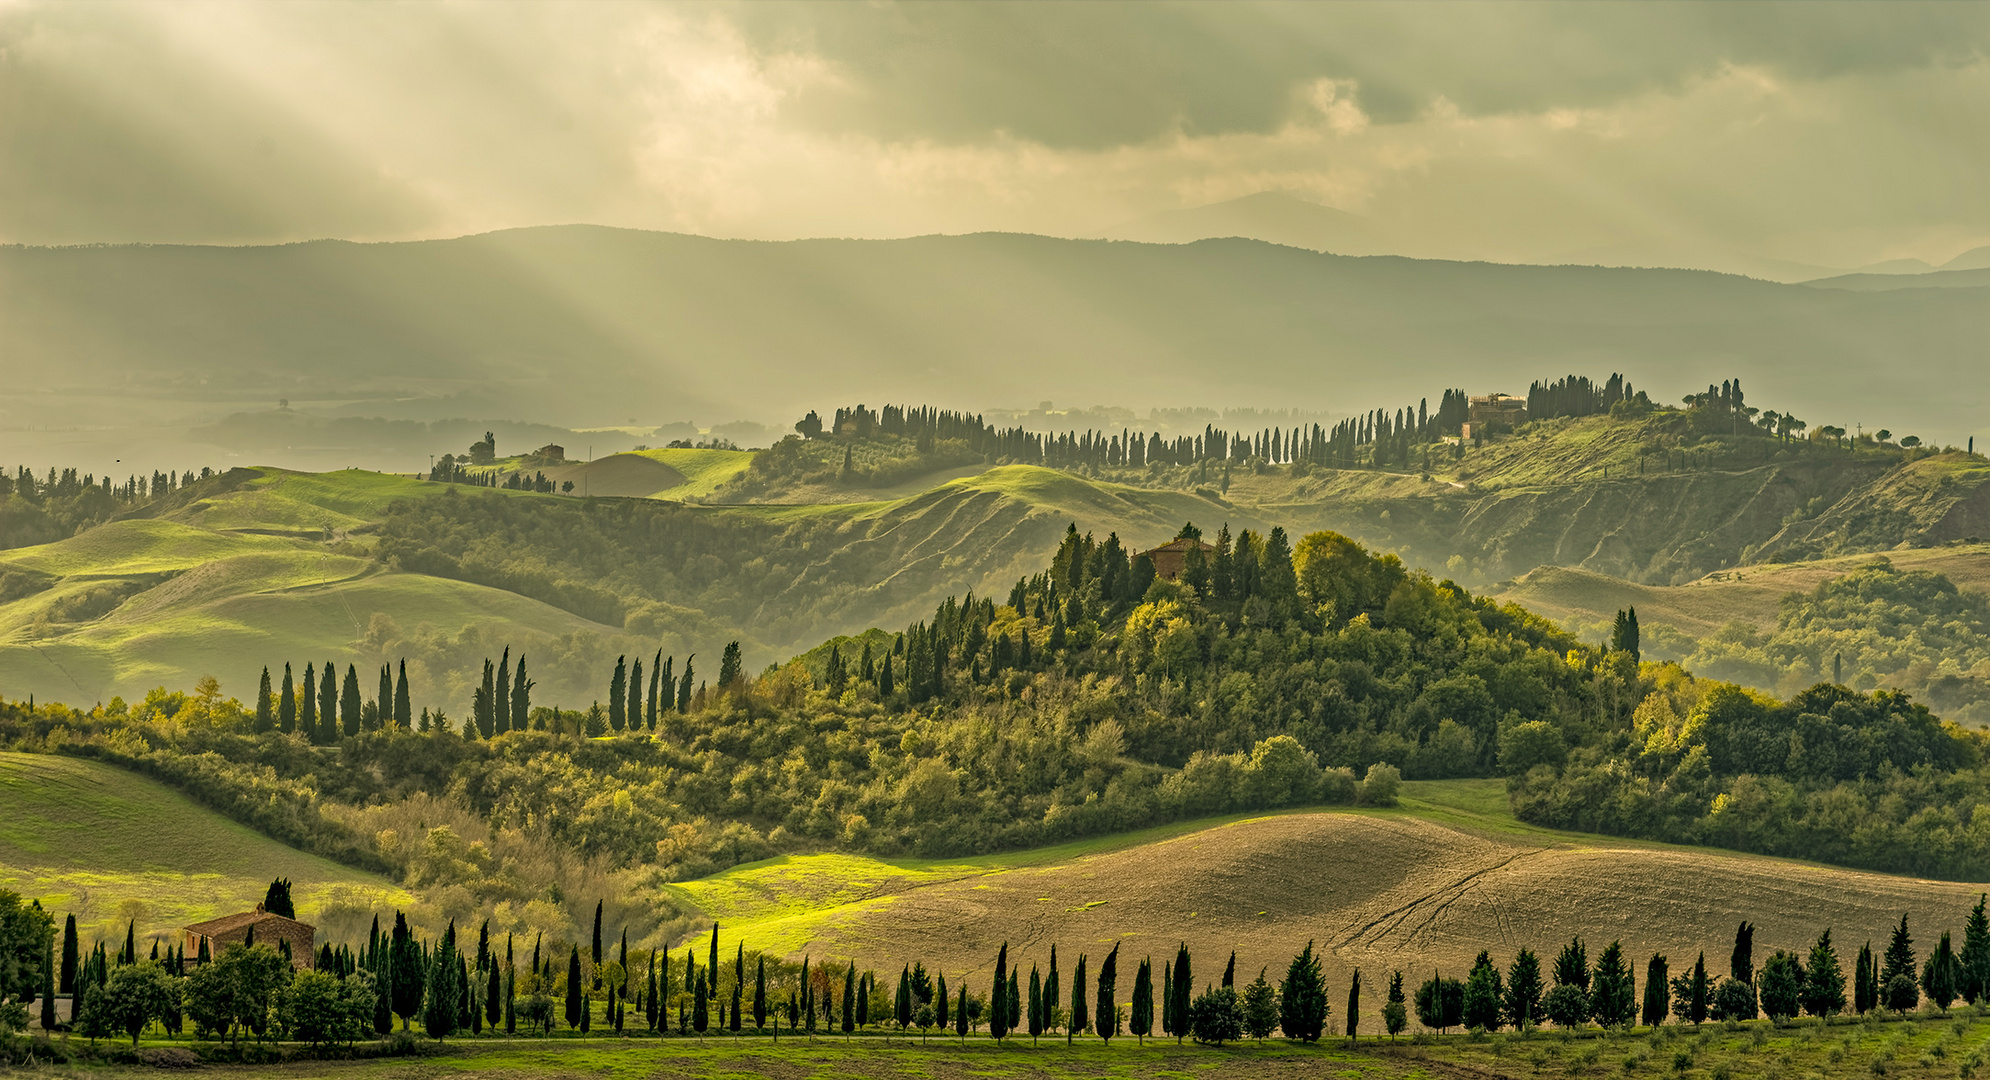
(42, 510)
(349, 994)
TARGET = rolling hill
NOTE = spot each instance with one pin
(580, 326)
(1425, 886)
(111, 846)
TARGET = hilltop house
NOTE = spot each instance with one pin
(1169, 558)
(231, 930)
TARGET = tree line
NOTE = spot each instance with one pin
(449, 989)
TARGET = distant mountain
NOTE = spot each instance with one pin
(581, 326)
(1973, 259)
(1935, 279)
(1272, 216)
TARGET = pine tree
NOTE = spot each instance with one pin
(265, 715)
(1975, 958)
(1657, 991)
(1613, 992)
(1898, 988)
(1823, 981)
(404, 710)
(286, 705)
(1484, 997)
(1572, 966)
(1522, 1000)
(1395, 1012)
(349, 702)
(1142, 1019)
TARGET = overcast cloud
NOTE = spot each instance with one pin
(1834, 134)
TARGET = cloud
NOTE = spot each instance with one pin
(1829, 133)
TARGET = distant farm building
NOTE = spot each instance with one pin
(1501, 408)
(1169, 558)
(231, 930)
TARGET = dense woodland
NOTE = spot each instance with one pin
(43, 509)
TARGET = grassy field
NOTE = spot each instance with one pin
(1427, 883)
(1931, 1046)
(703, 470)
(111, 846)
(1749, 594)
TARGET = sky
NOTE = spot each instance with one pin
(1827, 134)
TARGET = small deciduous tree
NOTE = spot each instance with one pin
(1781, 992)
(1217, 1016)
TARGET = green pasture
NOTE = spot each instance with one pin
(111, 846)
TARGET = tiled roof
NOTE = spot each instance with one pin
(228, 924)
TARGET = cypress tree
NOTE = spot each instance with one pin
(286, 705)
(1035, 1004)
(1657, 982)
(684, 686)
(349, 701)
(1141, 1022)
(521, 697)
(960, 1013)
(575, 1006)
(1865, 993)
(1013, 1000)
(1940, 976)
(636, 695)
(265, 715)
(307, 705)
(328, 705)
(850, 999)
(1613, 998)
(656, 681)
(130, 953)
(1081, 1021)
(712, 962)
(760, 992)
(1354, 1006)
(1184, 986)
(1167, 1012)
(1051, 988)
(998, 1013)
(1699, 993)
(501, 694)
(1975, 957)
(1230, 971)
(442, 998)
(510, 990)
(68, 973)
(594, 952)
(1484, 1001)
(738, 988)
(1742, 964)
(1105, 1018)
(618, 691)
(46, 989)
(404, 710)
(383, 709)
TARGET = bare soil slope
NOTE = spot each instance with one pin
(633, 476)
(1378, 893)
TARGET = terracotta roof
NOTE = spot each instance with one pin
(1181, 544)
(228, 924)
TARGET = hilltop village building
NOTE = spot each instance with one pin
(229, 931)
(1495, 408)
(1171, 557)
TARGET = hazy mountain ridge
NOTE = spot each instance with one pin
(581, 326)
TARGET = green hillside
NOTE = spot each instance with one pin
(112, 846)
